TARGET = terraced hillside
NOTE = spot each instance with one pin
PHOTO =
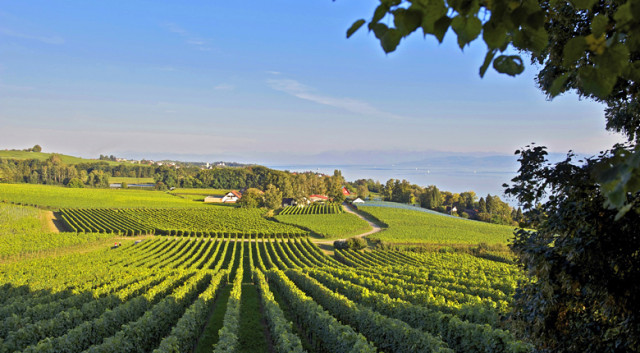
(182, 294)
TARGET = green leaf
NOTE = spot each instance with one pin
(519, 15)
(440, 27)
(487, 61)
(354, 27)
(511, 65)
(614, 60)
(379, 13)
(635, 9)
(633, 71)
(599, 25)
(558, 85)
(467, 29)
(433, 11)
(573, 51)
(465, 7)
(407, 21)
(623, 14)
(379, 29)
(595, 81)
(535, 40)
(390, 40)
(536, 19)
(583, 4)
(494, 34)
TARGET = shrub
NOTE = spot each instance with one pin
(351, 243)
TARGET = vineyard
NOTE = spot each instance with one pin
(179, 294)
(413, 227)
(313, 209)
(205, 222)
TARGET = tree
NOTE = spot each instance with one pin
(75, 183)
(251, 198)
(388, 190)
(36, 148)
(468, 199)
(586, 296)
(431, 198)
(363, 191)
(272, 197)
(334, 187)
(482, 206)
(98, 179)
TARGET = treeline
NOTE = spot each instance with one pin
(53, 171)
(465, 204)
(290, 185)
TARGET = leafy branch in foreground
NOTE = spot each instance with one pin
(583, 257)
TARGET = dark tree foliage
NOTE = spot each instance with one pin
(584, 266)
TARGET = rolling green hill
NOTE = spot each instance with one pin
(414, 227)
(63, 197)
(41, 156)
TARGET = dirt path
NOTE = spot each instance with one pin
(49, 221)
(347, 208)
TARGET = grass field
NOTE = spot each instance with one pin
(205, 192)
(330, 226)
(198, 195)
(131, 180)
(22, 233)
(414, 227)
(56, 197)
(44, 156)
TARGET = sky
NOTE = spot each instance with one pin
(260, 81)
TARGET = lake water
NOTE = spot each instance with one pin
(482, 180)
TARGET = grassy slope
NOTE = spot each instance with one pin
(407, 226)
(63, 197)
(22, 234)
(205, 192)
(330, 226)
(44, 156)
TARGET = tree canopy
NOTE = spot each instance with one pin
(583, 256)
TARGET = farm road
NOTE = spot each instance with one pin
(374, 227)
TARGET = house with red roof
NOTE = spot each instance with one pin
(345, 192)
(316, 198)
(232, 197)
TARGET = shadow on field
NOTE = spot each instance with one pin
(58, 223)
(325, 247)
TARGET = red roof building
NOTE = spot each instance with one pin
(314, 198)
(345, 192)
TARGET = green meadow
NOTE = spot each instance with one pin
(55, 197)
(42, 156)
(415, 227)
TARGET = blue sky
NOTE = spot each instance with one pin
(258, 82)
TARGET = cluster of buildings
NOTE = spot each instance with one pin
(234, 196)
